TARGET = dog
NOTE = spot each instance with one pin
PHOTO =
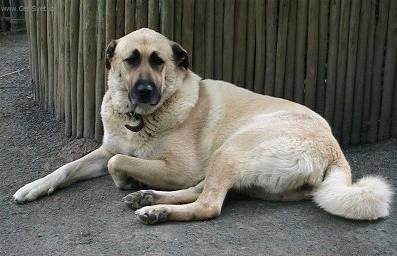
(194, 140)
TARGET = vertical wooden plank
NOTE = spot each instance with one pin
(55, 22)
(218, 44)
(61, 66)
(141, 14)
(281, 50)
(50, 61)
(260, 42)
(74, 51)
(351, 71)
(199, 38)
(178, 5)
(80, 75)
(228, 39)
(111, 24)
(362, 59)
(209, 38)
(39, 57)
(271, 48)
(188, 26)
(100, 64)
(240, 42)
(154, 15)
(33, 42)
(67, 98)
(291, 44)
(250, 52)
(322, 56)
(44, 52)
(89, 50)
(341, 68)
(388, 75)
(167, 18)
(380, 40)
(301, 33)
(332, 60)
(394, 117)
(129, 16)
(312, 54)
(120, 20)
(368, 73)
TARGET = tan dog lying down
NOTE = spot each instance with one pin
(167, 128)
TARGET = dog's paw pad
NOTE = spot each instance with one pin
(151, 216)
(139, 199)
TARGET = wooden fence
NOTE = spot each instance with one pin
(337, 57)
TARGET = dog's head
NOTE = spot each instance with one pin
(145, 68)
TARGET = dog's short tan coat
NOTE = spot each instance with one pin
(206, 137)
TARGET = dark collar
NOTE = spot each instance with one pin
(137, 117)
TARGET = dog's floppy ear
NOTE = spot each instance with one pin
(109, 53)
(181, 57)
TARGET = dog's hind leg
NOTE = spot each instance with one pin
(220, 178)
(143, 198)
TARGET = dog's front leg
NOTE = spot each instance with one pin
(155, 173)
(90, 166)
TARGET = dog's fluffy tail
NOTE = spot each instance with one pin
(367, 199)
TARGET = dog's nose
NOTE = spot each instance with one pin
(144, 91)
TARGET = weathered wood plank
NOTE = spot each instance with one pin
(141, 14)
(271, 46)
(61, 64)
(350, 72)
(100, 64)
(281, 50)
(89, 50)
(209, 38)
(199, 38)
(322, 56)
(260, 48)
(380, 41)
(368, 73)
(218, 39)
(389, 83)
(362, 59)
(250, 51)
(67, 85)
(240, 42)
(129, 24)
(188, 27)
(228, 40)
(291, 45)
(80, 76)
(154, 15)
(111, 24)
(300, 57)
(342, 64)
(312, 54)
(167, 18)
(120, 20)
(74, 51)
(332, 60)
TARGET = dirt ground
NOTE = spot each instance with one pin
(89, 218)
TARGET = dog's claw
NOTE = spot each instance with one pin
(151, 215)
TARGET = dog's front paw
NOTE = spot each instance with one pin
(152, 214)
(139, 199)
(33, 190)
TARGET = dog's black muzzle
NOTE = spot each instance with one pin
(144, 92)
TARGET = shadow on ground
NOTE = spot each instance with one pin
(88, 218)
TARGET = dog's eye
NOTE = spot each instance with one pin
(134, 59)
(155, 60)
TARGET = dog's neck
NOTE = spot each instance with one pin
(175, 109)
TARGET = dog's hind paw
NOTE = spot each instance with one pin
(139, 199)
(152, 214)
